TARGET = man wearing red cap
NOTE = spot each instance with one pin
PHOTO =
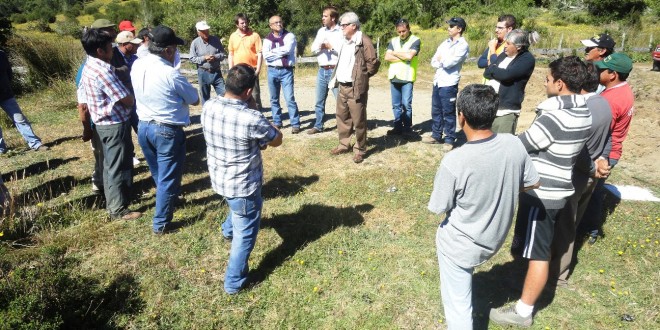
(126, 26)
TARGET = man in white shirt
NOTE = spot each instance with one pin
(448, 61)
(326, 47)
(279, 51)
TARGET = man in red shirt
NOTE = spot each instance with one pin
(614, 70)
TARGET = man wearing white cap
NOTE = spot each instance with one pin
(207, 52)
(598, 48)
(123, 56)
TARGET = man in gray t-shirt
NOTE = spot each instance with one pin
(476, 187)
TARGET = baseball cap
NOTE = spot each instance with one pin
(164, 36)
(618, 62)
(202, 25)
(127, 36)
(458, 22)
(602, 41)
(126, 26)
(101, 23)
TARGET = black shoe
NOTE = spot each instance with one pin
(169, 228)
(295, 130)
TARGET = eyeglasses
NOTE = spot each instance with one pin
(588, 49)
(345, 25)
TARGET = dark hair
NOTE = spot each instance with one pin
(509, 20)
(608, 52)
(143, 33)
(155, 49)
(622, 75)
(241, 16)
(94, 39)
(240, 78)
(403, 22)
(478, 103)
(571, 70)
(591, 79)
(334, 13)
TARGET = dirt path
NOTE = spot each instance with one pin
(638, 164)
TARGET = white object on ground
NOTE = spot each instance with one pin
(631, 193)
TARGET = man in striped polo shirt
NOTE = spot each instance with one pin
(553, 141)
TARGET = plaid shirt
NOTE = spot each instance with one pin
(103, 90)
(234, 134)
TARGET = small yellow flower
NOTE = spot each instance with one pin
(40, 204)
(202, 270)
(301, 262)
(601, 271)
(341, 252)
(620, 253)
(423, 273)
(642, 246)
(648, 240)
(316, 289)
(2, 233)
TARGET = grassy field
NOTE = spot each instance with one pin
(338, 247)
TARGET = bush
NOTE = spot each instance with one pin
(69, 27)
(91, 9)
(18, 18)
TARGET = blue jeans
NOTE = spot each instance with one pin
(206, 80)
(443, 113)
(164, 148)
(402, 94)
(322, 80)
(11, 108)
(242, 225)
(282, 77)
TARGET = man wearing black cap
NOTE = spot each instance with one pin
(162, 97)
(598, 47)
(448, 61)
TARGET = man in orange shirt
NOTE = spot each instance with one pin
(245, 47)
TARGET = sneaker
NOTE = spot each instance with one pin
(507, 315)
(313, 131)
(42, 148)
(394, 131)
(96, 189)
(430, 140)
(169, 228)
(295, 130)
(136, 161)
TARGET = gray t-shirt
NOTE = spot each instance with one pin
(477, 188)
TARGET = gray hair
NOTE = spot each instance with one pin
(351, 17)
(521, 38)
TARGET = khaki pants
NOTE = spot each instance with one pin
(352, 117)
(566, 226)
(505, 124)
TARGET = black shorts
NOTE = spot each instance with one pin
(535, 228)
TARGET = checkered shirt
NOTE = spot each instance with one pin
(103, 90)
(234, 134)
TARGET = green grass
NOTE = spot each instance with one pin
(335, 249)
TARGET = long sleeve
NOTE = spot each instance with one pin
(434, 63)
(195, 54)
(458, 55)
(316, 44)
(273, 54)
(372, 61)
(521, 66)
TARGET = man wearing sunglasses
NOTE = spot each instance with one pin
(598, 48)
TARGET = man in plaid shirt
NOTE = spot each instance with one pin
(235, 136)
(109, 104)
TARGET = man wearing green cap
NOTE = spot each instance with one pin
(614, 70)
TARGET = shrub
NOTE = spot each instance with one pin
(69, 27)
(91, 9)
(18, 18)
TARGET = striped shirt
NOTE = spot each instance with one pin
(102, 92)
(554, 141)
(234, 136)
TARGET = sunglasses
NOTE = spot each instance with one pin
(345, 25)
(588, 49)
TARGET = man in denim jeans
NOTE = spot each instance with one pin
(448, 61)
(11, 108)
(163, 95)
(235, 134)
(326, 46)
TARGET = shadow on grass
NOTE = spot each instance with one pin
(49, 190)
(303, 227)
(48, 294)
(63, 139)
(284, 186)
(36, 168)
(500, 285)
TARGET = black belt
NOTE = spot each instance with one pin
(154, 122)
(346, 84)
(328, 67)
